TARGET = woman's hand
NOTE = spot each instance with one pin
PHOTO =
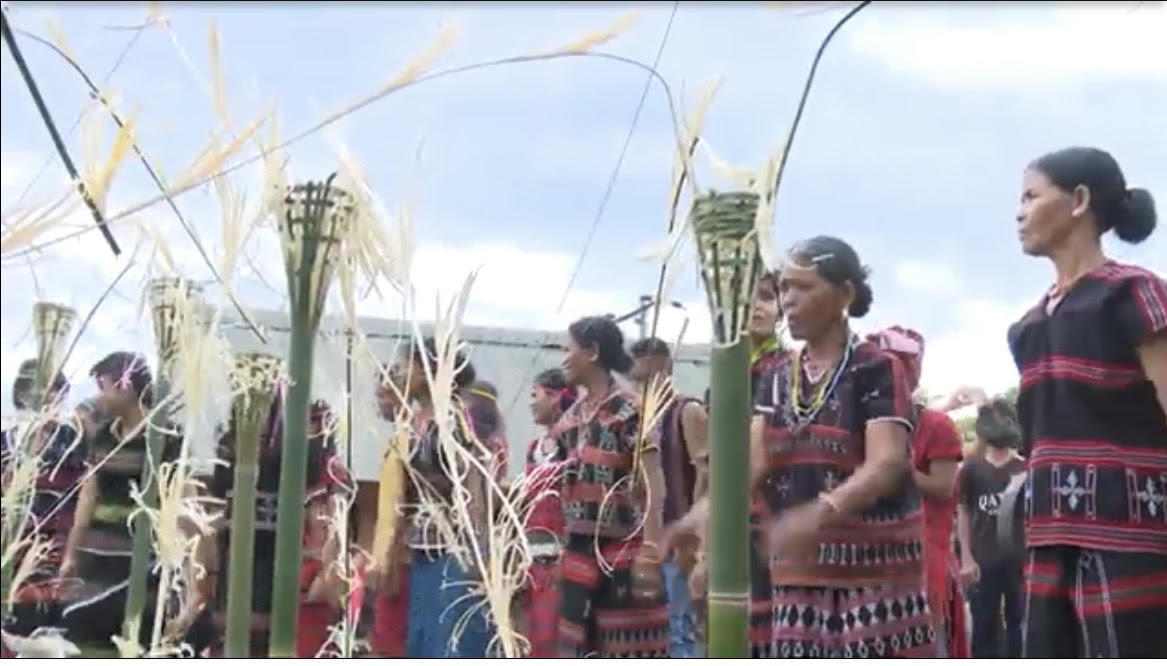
(699, 580)
(970, 573)
(688, 533)
(795, 534)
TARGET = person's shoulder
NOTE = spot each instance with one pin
(1117, 273)
(866, 353)
(934, 418)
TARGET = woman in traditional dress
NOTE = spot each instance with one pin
(99, 547)
(440, 596)
(936, 456)
(60, 452)
(487, 424)
(551, 396)
(765, 341)
(1093, 409)
(327, 479)
(612, 602)
(830, 461)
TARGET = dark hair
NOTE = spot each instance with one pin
(608, 340)
(482, 403)
(649, 347)
(1130, 212)
(465, 375)
(23, 384)
(997, 424)
(553, 379)
(770, 277)
(837, 263)
(123, 366)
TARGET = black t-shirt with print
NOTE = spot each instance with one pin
(981, 486)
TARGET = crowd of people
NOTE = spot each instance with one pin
(874, 528)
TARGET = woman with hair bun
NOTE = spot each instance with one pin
(611, 588)
(1093, 409)
(831, 467)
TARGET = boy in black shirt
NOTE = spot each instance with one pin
(992, 568)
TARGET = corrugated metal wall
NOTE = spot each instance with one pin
(503, 357)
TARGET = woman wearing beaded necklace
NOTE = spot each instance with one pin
(830, 464)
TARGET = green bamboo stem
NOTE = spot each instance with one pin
(140, 555)
(729, 460)
(249, 422)
(293, 482)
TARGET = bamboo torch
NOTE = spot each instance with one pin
(316, 219)
(171, 300)
(727, 248)
(255, 381)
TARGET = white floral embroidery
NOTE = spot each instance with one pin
(1156, 501)
(1071, 490)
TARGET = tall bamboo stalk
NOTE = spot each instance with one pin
(170, 301)
(255, 379)
(727, 247)
(316, 219)
(51, 326)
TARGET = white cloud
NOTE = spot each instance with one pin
(522, 288)
(977, 352)
(1017, 44)
(927, 277)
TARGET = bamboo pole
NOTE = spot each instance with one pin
(256, 376)
(727, 248)
(170, 301)
(729, 571)
(317, 217)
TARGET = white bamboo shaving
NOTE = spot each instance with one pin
(658, 396)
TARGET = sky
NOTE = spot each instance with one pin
(912, 147)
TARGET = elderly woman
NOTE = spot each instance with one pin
(1093, 409)
(830, 464)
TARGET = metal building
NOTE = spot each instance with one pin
(508, 358)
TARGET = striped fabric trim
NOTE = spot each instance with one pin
(1109, 537)
(1050, 451)
(1066, 368)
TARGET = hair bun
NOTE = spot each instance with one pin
(1136, 219)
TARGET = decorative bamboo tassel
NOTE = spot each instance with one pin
(255, 381)
(316, 219)
(727, 247)
(171, 300)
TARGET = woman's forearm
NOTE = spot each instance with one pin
(874, 479)
(939, 481)
(654, 519)
(86, 503)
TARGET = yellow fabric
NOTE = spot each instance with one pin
(771, 345)
(390, 491)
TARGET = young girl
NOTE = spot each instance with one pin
(550, 397)
(613, 608)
